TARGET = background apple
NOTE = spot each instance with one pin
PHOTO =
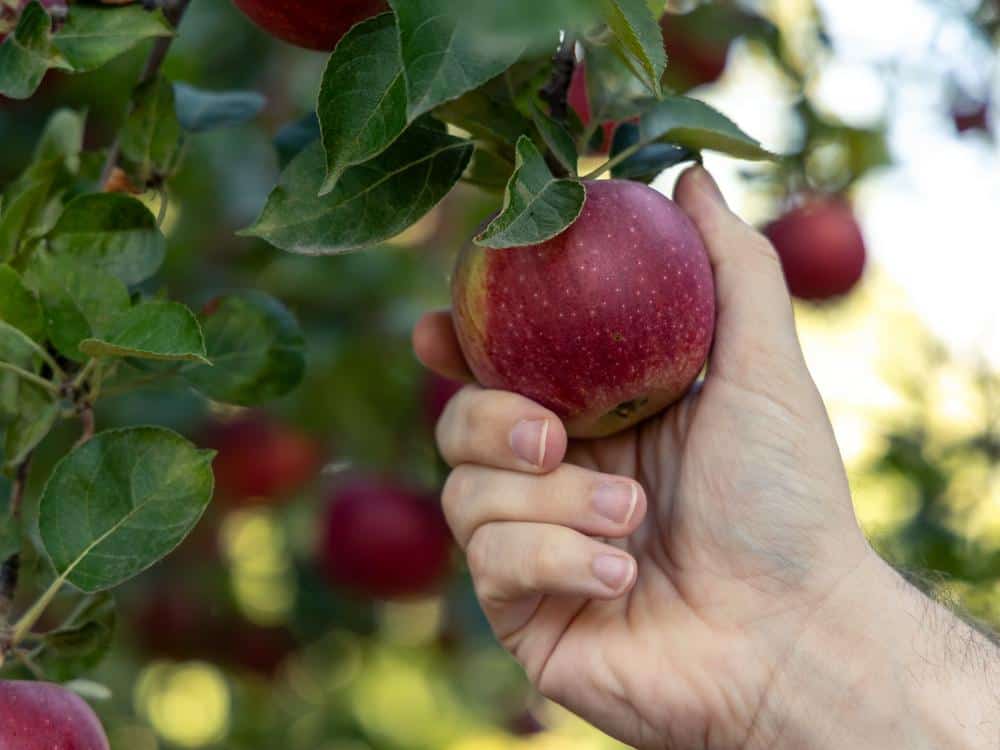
(43, 716)
(579, 100)
(384, 540)
(605, 324)
(313, 24)
(974, 116)
(698, 43)
(821, 248)
(260, 459)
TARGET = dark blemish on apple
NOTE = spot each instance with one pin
(629, 408)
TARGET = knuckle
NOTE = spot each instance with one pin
(457, 489)
(546, 563)
(477, 553)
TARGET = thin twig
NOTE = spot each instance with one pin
(29, 664)
(556, 91)
(9, 574)
(86, 412)
(19, 487)
(174, 12)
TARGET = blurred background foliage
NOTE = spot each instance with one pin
(238, 640)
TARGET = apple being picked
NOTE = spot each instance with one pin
(313, 24)
(821, 248)
(260, 459)
(11, 11)
(44, 716)
(606, 324)
(384, 541)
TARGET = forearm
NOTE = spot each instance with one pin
(884, 666)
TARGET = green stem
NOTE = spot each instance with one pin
(23, 626)
(612, 163)
(31, 378)
(85, 373)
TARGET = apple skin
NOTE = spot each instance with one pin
(384, 541)
(606, 324)
(821, 248)
(44, 716)
(9, 15)
(579, 100)
(260, 459)
(313, 24)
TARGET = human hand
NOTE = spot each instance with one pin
(658, 582)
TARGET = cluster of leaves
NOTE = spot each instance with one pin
(415, 100)
(82, 317)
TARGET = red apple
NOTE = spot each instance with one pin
(698, 43)
(821, 248)
(43, 716)
(606, 324)
(438, 391)
(579, 100)
(10, 13)
(314, 24)
(260, 459)
(976, 117)
(384, 541)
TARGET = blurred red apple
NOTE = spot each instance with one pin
(976, 117)
(10, 12)
(438, 391)
(43, 716)
(260, 459)
(384, 541)
(314, 24)
(821, 248)
(606, 324)
(698, 43)
(579, 100)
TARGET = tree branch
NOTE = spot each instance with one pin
(174, 11)
(556, 91)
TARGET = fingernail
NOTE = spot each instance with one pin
(614, 571)
(527, 440)
(616, 500)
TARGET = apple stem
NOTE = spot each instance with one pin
(614, 162)
(174, 12)
(556, 91)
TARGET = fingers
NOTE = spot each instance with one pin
(511, 561)
(587, 501)
(754, 308)
(500, 429)
(436, 346)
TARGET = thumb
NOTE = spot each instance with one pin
(755, 331)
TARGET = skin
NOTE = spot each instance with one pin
(310, 23)
(385, 541)
(821, 248)
(701, 581)
(43, 716)
(604, 334)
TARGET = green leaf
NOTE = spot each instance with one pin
(18, 306)
(256, 347)
(117, 504)
(37, 413)
(362, 100)
(649, 161)
(614, 93)
(441, 57)
(557, 138)
(638, 32)
(79, 303)
(151, 133)
(487, 112)
(159, 330)
(16, 394)
(198, 110)
(489, 170)
(537, 206)
(695, 125)
(79, 645)
(27, 54)
(61, 141)
(112, 232)
(93, 36)
(371, 202)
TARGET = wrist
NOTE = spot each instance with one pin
(881, 665)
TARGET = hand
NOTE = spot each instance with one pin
(657, 582)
